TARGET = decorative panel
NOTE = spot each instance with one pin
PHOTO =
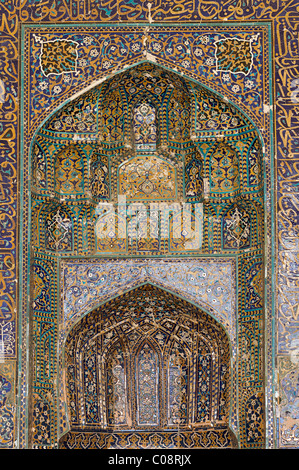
(147, 379)
(147, 177)
(145, 125)
(117, 400)
(69, 172)
(156, 376)
(224, 172)
(178, 386)
(58, 231)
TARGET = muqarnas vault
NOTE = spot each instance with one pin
(148, 219)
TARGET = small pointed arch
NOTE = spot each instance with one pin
(205, 369)
(193, 184)
(70, 167)
(241, 225)
(178, 116)
(178, 384)
(145, 116)
(112, 109)
(236, 228)
(116, 376)
(99, 175)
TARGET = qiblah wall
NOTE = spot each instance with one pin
(149, 224)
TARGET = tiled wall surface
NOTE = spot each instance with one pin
(50, 53)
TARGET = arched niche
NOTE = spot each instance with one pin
(145, 124)
(147, 361)
(58, 230)
(147, 177)
(211, 146)
(69, 171)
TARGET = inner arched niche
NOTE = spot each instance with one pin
(154, 144)
(147, 362)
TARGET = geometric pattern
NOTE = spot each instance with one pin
(159, 348)
(58, 56)
(203, 439)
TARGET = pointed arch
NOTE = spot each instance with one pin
(236, 228)
(116, 377)
(69, 171)
(123, 154)
(147, 370)
(178, 116)
(178, 383)
(145, 128)
(112, 115)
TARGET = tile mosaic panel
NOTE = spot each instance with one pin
(283, 18)
(177, 133)
(142, 334)
(207, 282)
